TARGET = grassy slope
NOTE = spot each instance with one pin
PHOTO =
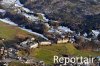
(9, 32)
(46, 53)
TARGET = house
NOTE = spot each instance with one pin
(64, 40)
(59, 41)
(34, 45)
(32, 39)
(2, 50)
(45, 43)
(29, 43)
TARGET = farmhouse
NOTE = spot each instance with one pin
(65, 40)
(45, 43)
(59, 40)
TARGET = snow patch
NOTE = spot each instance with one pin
(26, 10)
(2, 11)
(96, 32)
(52, 30)
(44, 18)
(10, 3)
(18, 2)
(30, 17)
(85, 35)
(30, 31)
(8, 21)
(65, 29)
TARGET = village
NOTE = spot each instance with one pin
(53, 33)
(11, 53)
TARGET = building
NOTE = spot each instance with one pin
(45, 43)
(65, 40)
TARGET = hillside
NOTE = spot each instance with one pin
(72, 13)
(9, 32)
(46, 53)
(33, 31)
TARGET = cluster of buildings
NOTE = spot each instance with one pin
(8, 53)
(33, 43)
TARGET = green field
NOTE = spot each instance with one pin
(46, 53)
(9, 32)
